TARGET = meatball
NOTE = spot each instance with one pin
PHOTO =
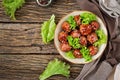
(77, 53)
(95, 25)
(93, 50)
(65, 47)
(62, 37)
(66, 26)
(92, 37)
(83, 40)
(85, 29)
(77, 19)
(75, 34)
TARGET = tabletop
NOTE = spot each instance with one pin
(23, 55)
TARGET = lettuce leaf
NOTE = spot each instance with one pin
(74, 42)
(55, 67)
(87, 18)
(11, 6)
(48, 29)
(72, 22)
(102, 38)
(69, 54)
(86, 54)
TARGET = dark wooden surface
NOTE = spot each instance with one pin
(31, 12)
(23, 56)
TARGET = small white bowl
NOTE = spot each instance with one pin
(78, 60)
(44, 5)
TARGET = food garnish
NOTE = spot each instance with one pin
(87, 18)
(11, 6)
(55, 67)
(48, 29)
(72, 22)
(74, 42)
(86, 53)
(69, 54)
(101, 38)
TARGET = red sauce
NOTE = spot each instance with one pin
(43, 2)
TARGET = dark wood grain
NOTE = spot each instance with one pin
(31, 12)
(23, 38)
(29, 67)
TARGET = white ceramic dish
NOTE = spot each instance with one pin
(78, 60)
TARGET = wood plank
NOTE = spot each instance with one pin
(29, 67)
(23, 38)
(31, 12)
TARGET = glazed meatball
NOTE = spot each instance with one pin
(95, 25)
(75, 34)
(85, 29)
(93, 50)
(62, 37)
(92, 37)
(77, 19)
(65, 47)
(77, 53)
(83, 40)
(66, 26)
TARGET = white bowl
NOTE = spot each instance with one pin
(78, 60)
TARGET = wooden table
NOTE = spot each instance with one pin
(23, 56)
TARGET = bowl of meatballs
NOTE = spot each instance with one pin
(80, 37)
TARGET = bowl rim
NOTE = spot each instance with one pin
(49, 2)
(57, 34)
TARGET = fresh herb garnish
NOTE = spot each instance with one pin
(72, 22)
(55, 67)
(86, 54)
(87, 18)
(74, 42)
(11, 6)
(101, 38)
(48, 29)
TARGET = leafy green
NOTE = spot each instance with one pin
(74, 42)
(72, 22)
(101, 38)
(55, 67)
(86, 53)
(48, 29)
(69, 54)
(87, 18)
(11, 6)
